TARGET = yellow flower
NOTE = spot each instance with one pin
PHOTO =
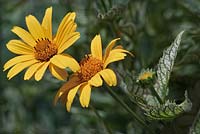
(145, 75)
(93, 68)
(39, 49)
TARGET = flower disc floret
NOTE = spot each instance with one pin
(89, 66)
(44, 49)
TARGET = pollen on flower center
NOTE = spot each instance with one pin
(89, 67)
(44, 49)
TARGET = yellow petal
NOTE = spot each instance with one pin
(34, 27)
(19, 67)
(47, 23)
(96, 47)
(96, 80)
(70, 97)
(73, 82)
(60, 74)
(72, 29)
(110, 47)
(115, 55)
(32, 69)
(41, 71)
(66, 22)
(68, 41)
(24, 35)
(19, 47)
(65, 33)
(63, 61)
(85, 95)
(17, 60)
(119, 48)
(109, 76)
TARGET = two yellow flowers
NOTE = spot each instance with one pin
(38, 50)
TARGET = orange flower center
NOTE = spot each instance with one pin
(44, 49)
(89, 67)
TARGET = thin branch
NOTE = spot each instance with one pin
(125, 106)
(101, 119)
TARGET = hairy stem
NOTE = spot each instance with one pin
(153, 91)
(125, 106)
(101, 119)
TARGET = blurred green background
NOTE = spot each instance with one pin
(146, 28)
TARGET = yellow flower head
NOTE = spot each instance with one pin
(93, 68)
(145, 75)
(39, 49)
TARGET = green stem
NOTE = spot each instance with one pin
(194, 124)
(104, 5)
(114, 28)
(130, 9)
(125, 106)
(156, 94)
(110, 3)
(101, 119)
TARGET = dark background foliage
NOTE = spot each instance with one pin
(146, 28)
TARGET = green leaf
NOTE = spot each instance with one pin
(169, 110)
(165, 67)
(164, 109)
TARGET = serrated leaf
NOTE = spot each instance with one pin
(156, 106)
(169, 110)
(165, 66)
(151, 100)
